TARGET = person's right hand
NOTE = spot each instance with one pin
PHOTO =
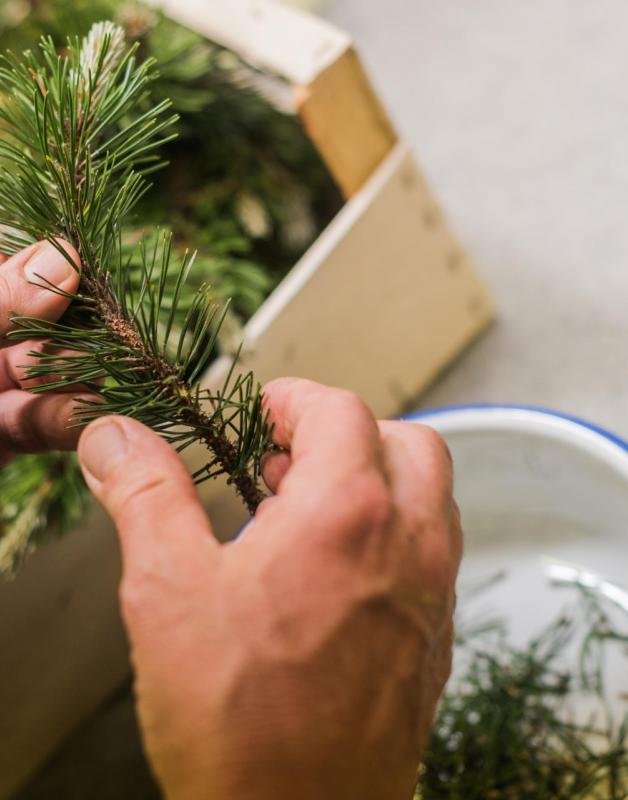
(29, 422)
(305, 659)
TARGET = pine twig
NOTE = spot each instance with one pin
(42, 494)
(509, 726)
(76, 159)
(15, 542)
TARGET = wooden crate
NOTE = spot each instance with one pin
(382, 301)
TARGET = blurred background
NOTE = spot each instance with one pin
(518, 114)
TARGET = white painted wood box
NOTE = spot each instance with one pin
(382, 302)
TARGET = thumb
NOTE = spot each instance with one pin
(165, 536)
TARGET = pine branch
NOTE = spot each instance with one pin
(76, 159)
(16, 541)
(41, 494)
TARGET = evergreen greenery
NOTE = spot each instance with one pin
(38, 492)
(74, 161)
(241, 185)
(509, 729)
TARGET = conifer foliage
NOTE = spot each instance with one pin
(242, 186)
(75, 159)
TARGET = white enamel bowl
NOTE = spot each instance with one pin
(536, 489)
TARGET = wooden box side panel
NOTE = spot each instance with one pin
(382, 302)
(62, 646)
(285, 41)
(346, 121)
(379, 304)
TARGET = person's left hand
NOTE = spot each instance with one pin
(30, 422)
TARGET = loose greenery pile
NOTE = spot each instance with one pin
(239, 196)
(510, 729)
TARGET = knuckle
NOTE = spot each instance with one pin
(136, 597)
(434, 448)
(435, 443)
(130, 489)
(136, 492)
(350, 403)
(7, 296)
(438, 569)
(22, 357)
(368, 500)
(18, 430)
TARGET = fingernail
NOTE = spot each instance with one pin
(102, 447)
(48, 265)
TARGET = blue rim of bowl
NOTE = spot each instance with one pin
(442, 410)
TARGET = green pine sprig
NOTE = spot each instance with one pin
(508, 726)
(74, 164)
(40, 493)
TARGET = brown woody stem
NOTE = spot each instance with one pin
(223, 449)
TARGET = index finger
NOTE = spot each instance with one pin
(332, 439)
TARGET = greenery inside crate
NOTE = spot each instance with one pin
(243, 188)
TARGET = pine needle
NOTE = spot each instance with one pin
(508, 727)
(75, 159)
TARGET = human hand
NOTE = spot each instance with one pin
(28, 422)
(305, 659)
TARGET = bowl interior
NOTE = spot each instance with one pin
(534, 490)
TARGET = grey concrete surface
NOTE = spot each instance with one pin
(518, 112)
